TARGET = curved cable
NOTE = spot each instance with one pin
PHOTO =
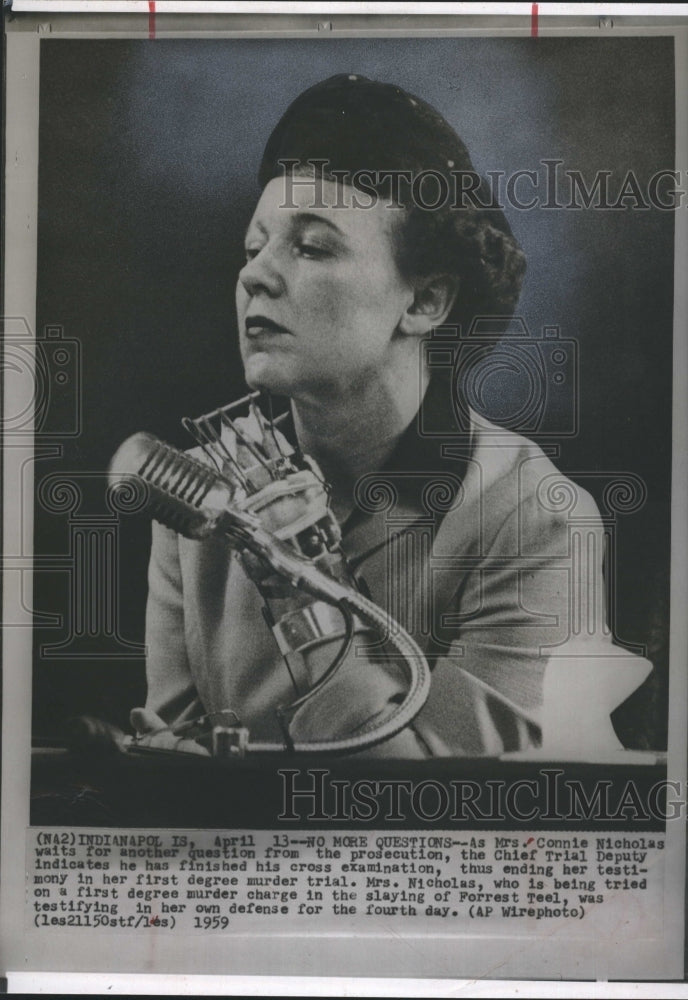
(342, 653)
(303, 574)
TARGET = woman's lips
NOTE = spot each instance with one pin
(256, 325)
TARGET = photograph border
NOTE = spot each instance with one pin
(20, 282)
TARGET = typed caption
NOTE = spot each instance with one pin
(218, 881)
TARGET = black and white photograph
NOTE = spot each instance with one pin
(343, 487)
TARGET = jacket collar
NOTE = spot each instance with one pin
(420, 481)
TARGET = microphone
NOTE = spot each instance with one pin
(182, 492)
(199, 501)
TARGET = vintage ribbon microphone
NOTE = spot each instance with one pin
(198, 501)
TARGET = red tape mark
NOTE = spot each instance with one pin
(151, 18)
(534, 20)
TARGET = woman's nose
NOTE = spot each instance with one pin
(260, 273)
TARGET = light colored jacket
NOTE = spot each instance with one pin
(488, 556)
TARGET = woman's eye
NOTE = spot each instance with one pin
(312, 250)
(251, 252)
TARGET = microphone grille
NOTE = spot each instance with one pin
(177, 483)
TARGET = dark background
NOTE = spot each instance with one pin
(148, 156)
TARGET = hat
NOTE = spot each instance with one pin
(356, 124)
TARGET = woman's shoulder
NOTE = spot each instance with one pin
(513, 471)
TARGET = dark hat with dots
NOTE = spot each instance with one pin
(356, 125)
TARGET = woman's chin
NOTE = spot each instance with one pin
(264, 372)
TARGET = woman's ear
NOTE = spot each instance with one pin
(432, 302)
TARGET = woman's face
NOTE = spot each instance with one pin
(320, 296)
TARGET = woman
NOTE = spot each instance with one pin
(347, 273)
